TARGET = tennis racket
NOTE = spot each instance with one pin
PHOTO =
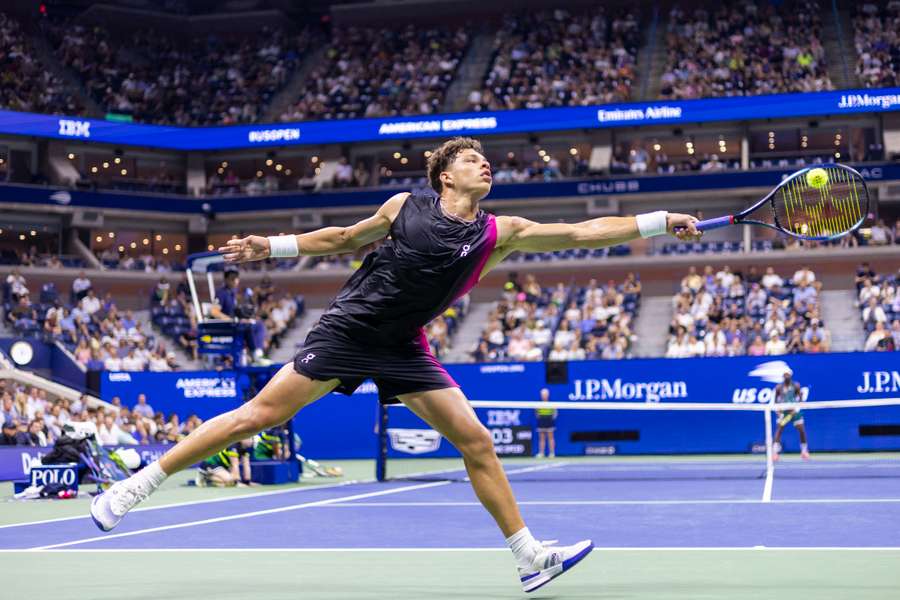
(808, 205)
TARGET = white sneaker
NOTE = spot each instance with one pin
(552, 562)
(108, 508)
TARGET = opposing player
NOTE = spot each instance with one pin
(785, 392)
(436, 247)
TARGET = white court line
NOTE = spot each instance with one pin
(207, 501)
(767, 488)
(254, 513)
(458, 549)
(621, 502)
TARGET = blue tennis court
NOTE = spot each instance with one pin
(833, 506)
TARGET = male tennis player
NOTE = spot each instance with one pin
(437, 246)
(790, 391)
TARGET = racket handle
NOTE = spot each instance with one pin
(715, 223)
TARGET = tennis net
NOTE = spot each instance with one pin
(597, 441)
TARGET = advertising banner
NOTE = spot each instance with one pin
(16, 462)
(661, 112)
(203, 393)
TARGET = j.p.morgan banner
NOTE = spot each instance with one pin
(432, 126)
(739, 380)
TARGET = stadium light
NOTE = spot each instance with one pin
(98, 239)
(210, 247)
(93, 169)
(22, 236)
(259, 174)
(105, 164)
(145, 241)
(269, 162)
(71, 156)
(177, 247)
(314, 159)
(158, 237)
(117, 160)
(404, 160)
(133, 245)
(111, 234)
(397, 155)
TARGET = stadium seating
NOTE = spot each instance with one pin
(726, 314)
(556, 58)
(531, 323)
(877, 42)
(207, 81)
(374, 72)
(753, 48)
(878, 300)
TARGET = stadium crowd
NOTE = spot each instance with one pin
(877, 40)
(32, 417)
(878, 299)
(531, 323)
(375, 72)
(747, 49)
(25, 83)
(725, 313)
(557, 58)
(209, 80)
(94, 330)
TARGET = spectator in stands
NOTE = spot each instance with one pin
(143, 409)
(775, 345)
(229, 306)
(895, 334)
(805, 297)
(161, 292)
(876, 337)
(873, 312)
(877, 46)
(756, 347)
(9, 436)
(680, 345)
(80, 286)
(90, 304)
(23, 315)
(771, 279)
(881, 234)
(715, 341)
(17, 285)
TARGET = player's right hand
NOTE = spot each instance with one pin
(250, 248)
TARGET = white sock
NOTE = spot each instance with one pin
(152, 475)
(524, 547)
(804, 447)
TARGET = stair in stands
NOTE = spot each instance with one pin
(470, 72)
(652, 326)
(469, 332)
(842, 318)
(651, 59)
(840, 51)
(47, 57)
(291, 91)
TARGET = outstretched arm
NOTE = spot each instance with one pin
(516, 233)
(328, 240)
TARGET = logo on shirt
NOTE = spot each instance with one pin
(308, 358)
(465, 250)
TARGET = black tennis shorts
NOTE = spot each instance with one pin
(395, 370)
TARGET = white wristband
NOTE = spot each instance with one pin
(651, 224)
(283, 246)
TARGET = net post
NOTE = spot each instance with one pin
(381, 436)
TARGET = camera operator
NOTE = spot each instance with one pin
(230, 304)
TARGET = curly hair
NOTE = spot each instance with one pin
(444, 154)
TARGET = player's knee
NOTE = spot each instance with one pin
(477, 444)
(250, 420)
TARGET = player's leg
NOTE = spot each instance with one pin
(449, 413)
(542, 442)
(551, 439)
(285, 394)
(804, 446)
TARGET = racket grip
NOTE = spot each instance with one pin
(715, 223)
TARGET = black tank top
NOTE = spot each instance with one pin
(429, 260)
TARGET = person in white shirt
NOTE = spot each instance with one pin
(873, 312)
(696, 347)
(90, 303)
(80, 286)
(132, 362)
(112, 363)
(558, 353)
(725, 277)
(804, 274)
(715, 341)
(878, 334)
(868, 290)
(158, 363)
(771, 279)
(775, 345)
(16, 282)
(679, 346)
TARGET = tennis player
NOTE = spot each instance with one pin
(437, 244)
(546, 426)
(785, 392)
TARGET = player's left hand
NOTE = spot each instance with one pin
(684, 227)
(252, 247)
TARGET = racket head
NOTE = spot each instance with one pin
(823, 213)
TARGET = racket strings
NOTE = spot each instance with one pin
(821, 212)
